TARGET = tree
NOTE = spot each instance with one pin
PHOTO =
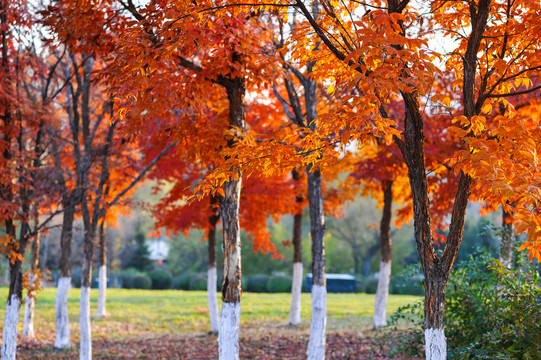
(484, 66)
(140, 259)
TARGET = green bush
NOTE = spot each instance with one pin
(371, 285)
(279, 284)
(257, 283)
(493, 312)
(360, 284)
(198, 282)
(406, 285)
(76, 278)
(127, 276)
(141, 282)
(161, 279)
(182, 282)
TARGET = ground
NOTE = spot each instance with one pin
(174, 325)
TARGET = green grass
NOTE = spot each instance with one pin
(142, 312)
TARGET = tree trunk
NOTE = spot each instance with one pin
(295, 309)
(316, 344)
(506, 249)
(435, 341)
(62, 338)
(102, 271)
(385, 265)
(28, 323)
(228, 339)
(211, 274)
(85, 348)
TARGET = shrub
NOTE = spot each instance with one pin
(404, 285)
(493, 312)
(279, 284)
(371, 285)
(182, 282)
(257, 283)
(76, 278)
(198, 282)
(127, 276)
(141, 282)
(360, 284)
(161, 279)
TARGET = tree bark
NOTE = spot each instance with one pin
(102, 296)
(316, 343)
(296, 288)
(63, 338)
(385, 265)
(28, 323)
(228, 339)
(508, 239)
(211, 274)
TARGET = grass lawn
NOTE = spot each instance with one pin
(177, 316)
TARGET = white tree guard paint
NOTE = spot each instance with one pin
(295, 309)
(212, 300)
(228, 337)
(85, 347)
(11, 323)
(102, 291)
(28, 322)
(62, 339)
(435, 344)
(382, 294)
(316, 344)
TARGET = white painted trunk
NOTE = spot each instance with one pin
(316, 344)
(228, 338)
(212, 300)
(435, 344)
(28, 327)
(295, 309)
(62, 339)
(85, 347)
(382, 294)
(11, 323)
(102, 291)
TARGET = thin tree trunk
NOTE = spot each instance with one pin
(211, 275)
(102, 271)
(85, 349)
(28, 323)
(295, 308)
(228, 339)
(316, 343)
(385, 265)
(63, 338)
(506, 249)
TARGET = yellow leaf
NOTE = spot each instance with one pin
(330, 89)
(220, 191)
(487, 108)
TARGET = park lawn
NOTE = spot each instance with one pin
(155, 314)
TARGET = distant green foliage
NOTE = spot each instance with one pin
(198, 282)
(161, 279)
(257, 283)
(279, 284)
(182, 282)
(140, 259)
(142, 282)
(76, 277)
(126, 277)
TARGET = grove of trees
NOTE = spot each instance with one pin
(240, 112)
